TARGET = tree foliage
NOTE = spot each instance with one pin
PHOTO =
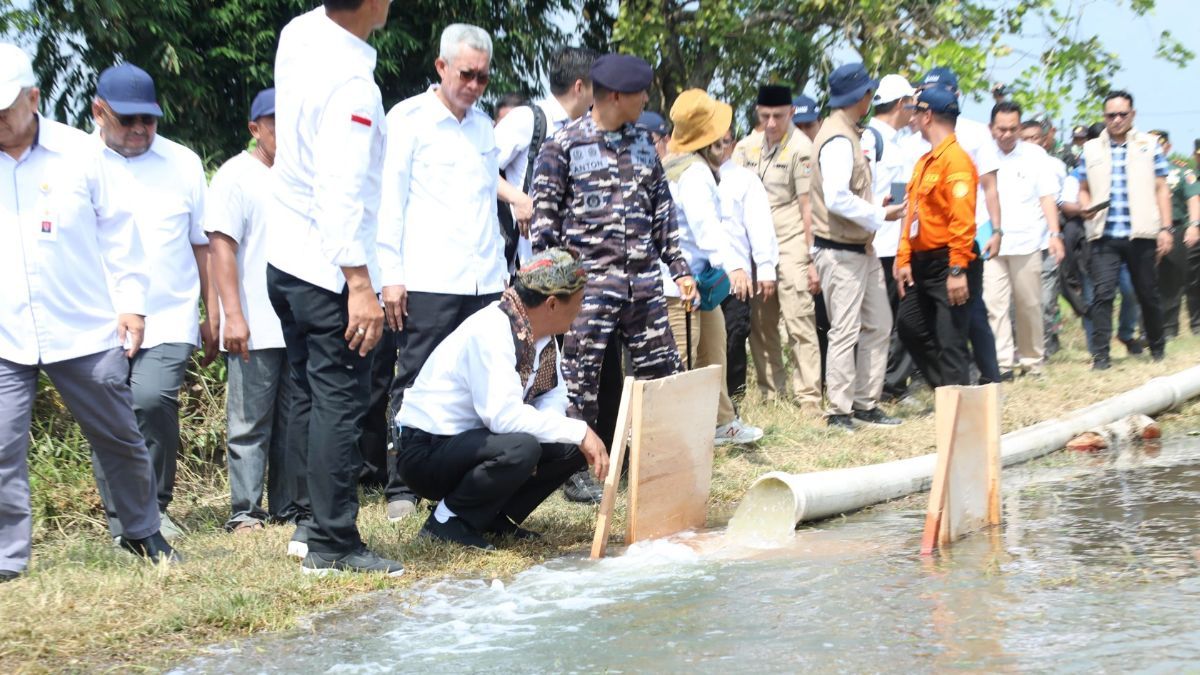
(209, 57)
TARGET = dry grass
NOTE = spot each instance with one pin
(87, 607)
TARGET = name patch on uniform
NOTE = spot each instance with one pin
(592, 202)
(586, 158)
(361, 119)
(643, 153)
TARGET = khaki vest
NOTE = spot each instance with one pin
(1140, 182)
(830, 225)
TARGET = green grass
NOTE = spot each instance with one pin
(85, 606)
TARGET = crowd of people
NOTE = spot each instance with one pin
(445, 306)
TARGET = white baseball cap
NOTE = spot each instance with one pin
(16, 73)
(892, 88)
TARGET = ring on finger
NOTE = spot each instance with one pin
(360, 331)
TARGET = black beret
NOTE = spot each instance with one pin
(622, 73)
(773, 95)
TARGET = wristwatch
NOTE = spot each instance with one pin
(998, 232)
(956, 270)
(1194, 223)
(1057, 235)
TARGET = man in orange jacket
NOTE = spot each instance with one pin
(938, 267)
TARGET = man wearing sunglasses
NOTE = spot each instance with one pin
(1126, 203)
(440, 248)
(163, 183)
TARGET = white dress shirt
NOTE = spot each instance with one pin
(438, 231)
(705, 236)
(889, 169)
(71, 257)
(747, 208)
(1025, 176)
(837, 166)
(330, 130)
(1070, 190)
(471, 382)
(165, 188)
(975, 138)
(237, 207)
(513, 135)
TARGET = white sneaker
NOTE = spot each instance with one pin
(297, 549)
(736, 433)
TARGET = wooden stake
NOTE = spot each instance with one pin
(613, 479)
(941, 476)
(992, 427)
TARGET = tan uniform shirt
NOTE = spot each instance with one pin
(785, 171)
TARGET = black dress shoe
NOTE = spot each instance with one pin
(582, 488)
(1135, 346)
(1101, 363)
(840, 422)
(8, 575)
(153, 548)
(503, 527)
(455, 530)
(1158, 354)
(875, 417)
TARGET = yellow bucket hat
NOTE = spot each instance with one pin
(699, 119)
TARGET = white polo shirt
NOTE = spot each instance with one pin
(238, 200)
(1025, 176)
(330, 130)
(747, 209)
(438, 232)
(471, 382)
(71, 257)
(165, 189)
(513, 135)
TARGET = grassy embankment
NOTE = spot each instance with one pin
(86, 606)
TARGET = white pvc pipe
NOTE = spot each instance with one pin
(823, 494)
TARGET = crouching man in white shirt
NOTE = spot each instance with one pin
(484, 430)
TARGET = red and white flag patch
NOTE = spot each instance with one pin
(360, 119)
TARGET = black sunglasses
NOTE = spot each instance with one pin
(480, 76)
(130, 120)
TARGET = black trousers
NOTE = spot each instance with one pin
(431, 317)
(332, 396)
(1105, 265)
(612, 382)
(934, 331)
(1192, 289)
(737, 332)
(372, 446)
(1173, 272)
(483, 475)
(900, 366)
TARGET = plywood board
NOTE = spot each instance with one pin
(946, 405)
(671, 454)
(973, 473)
(613, 479)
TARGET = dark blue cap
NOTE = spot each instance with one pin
(938, 99)
(622, 73)
(653, 122)
(848, 84)
(939, 77)
(128, 90)
(806, 110)
(263, 105)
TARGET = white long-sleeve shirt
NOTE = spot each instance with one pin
(71, 256)
(165, 189)
(976, 140)
(471, 382)
(747, 209)
(837, 166)
(704, 235)
(330, 130)
(890, 168)
(439, 196)
(513, 135)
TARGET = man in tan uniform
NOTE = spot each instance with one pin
(782, 158)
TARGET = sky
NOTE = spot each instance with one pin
(1165, 96)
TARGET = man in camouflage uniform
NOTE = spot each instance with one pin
(1173, 273)
(599, 188)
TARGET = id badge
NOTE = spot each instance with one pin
(47, 226)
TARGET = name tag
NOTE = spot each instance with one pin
(47, 227)
(643, 154)
(587, 158)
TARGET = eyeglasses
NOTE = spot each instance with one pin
(1119, 115)
(480, 76)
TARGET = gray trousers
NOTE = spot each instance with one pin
(96, 391)
(257, 398)
(155, 378)
(1049, 300)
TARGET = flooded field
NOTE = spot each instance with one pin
(1096, 569)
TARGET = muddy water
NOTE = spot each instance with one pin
(1096, 569)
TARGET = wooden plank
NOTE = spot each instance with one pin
(670, 468)
(946, 405)
(967, 497)
(613, 480)
(994, 464)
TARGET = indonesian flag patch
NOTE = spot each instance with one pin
(360, 119)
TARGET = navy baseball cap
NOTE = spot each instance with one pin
(653, 122)
(806, 110)
(263, 105)
(848, 84)
(939, 77)
(938, 99)
(622, 73)
(128, 90)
